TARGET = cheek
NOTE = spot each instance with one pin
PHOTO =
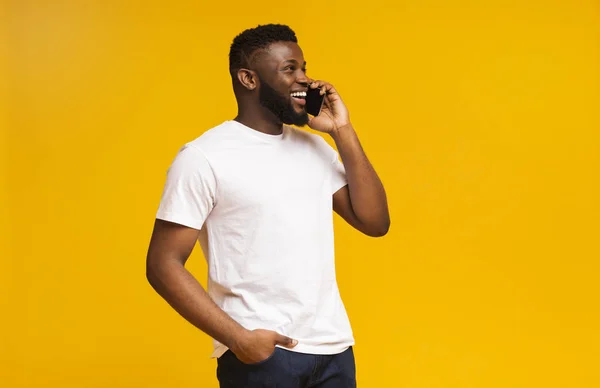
(286, 82)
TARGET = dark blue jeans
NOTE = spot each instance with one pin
(287, 369)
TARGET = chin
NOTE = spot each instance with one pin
(299, 119)
(302, 118)
(301, 122)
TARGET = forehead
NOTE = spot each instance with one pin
(279, 52)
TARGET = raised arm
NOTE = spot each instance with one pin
(363, 202)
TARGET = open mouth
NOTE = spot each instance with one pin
(299, 98)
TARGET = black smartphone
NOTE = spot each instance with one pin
(314, 101)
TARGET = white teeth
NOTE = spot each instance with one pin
(298, 94)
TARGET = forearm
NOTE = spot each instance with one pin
(367, 193)
(183, 292)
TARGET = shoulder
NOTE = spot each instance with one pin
(193, 156)
(306, 137)
(213, 138)
(312, 140)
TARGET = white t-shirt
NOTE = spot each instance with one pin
(264, 206)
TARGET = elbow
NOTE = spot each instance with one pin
(153, 271)
(150, 274)
(159, 268)
(379, 230)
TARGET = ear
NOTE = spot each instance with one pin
(248, 78)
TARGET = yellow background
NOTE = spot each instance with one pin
(482, 118)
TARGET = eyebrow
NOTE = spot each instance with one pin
(294, 61)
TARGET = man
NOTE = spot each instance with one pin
(258, 195)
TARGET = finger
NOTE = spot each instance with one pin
(286, 341)
(318, 84)
(328, 88)
(323, 87)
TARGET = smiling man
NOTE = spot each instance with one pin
(258, 195)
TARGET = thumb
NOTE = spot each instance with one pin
(285, 341)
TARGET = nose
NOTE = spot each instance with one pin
(303, 80)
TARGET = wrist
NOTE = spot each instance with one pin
(237, 339)
(341, 130)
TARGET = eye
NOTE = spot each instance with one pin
(288, 68)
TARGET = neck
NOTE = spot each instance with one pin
(260, 119)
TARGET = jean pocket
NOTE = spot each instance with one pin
(263, 361)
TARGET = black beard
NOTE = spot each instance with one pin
(280, 106)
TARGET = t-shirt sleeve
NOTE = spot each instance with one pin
(338, 173)
(189, 192)
(338, 179)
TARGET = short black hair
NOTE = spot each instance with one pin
(252, 39)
